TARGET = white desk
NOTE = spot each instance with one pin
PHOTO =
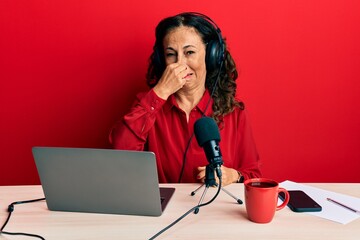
(222, 219)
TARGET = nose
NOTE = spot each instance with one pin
(181, 58)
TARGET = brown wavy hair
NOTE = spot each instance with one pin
(224, 90)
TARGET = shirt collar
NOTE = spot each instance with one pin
(205, 100)
(171, 102)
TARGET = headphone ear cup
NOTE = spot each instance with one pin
(214, 55)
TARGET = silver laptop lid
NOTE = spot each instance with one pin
(99, 180)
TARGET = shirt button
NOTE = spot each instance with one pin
(152, 108)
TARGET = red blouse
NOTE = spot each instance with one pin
(160, 126)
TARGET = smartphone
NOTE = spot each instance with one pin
(301, 202)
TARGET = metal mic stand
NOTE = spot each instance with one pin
(210, 181)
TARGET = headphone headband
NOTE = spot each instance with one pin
(203, 16)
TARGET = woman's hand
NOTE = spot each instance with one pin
(229, 175)
(172, 80)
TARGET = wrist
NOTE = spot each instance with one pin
(160, 93)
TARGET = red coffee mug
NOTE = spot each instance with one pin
(261, 198)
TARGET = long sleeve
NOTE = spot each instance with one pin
(131, 132)
(238, 145)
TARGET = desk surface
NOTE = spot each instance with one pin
(222, 219)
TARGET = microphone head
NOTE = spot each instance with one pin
(206, 129)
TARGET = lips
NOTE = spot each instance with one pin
(188, 75)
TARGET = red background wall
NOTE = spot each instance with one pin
(70, 69)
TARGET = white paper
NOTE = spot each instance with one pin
(330, 210)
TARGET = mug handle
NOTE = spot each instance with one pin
(286, 200)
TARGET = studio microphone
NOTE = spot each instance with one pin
(208, 137)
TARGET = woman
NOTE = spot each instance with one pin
(189, 70)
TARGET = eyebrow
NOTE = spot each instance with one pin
(187, 46)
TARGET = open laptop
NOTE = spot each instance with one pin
(101, 181)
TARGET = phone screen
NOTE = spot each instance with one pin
(301, 202)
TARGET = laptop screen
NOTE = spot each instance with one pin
(100, 180)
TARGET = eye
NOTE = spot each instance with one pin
(169, 54)
(190, 52)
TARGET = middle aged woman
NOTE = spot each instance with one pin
(189, 70)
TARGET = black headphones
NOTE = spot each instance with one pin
(215, 49)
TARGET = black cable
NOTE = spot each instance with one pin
(11, 208)
(187, 213)
(184, 157)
